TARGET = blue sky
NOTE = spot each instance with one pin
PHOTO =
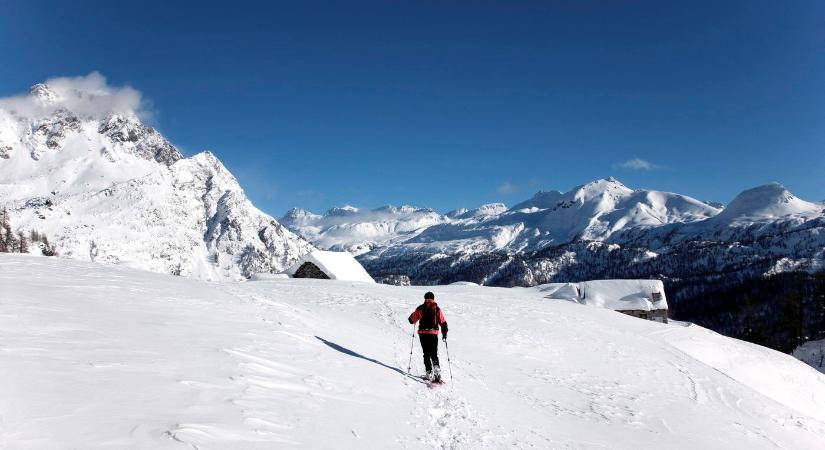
(451, 104)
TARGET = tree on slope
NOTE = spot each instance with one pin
(22, 242)
(8, 243)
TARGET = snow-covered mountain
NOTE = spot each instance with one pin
(601, 212)
(783, 225)
(359, 231)
(593, 211)
(108, 356)
(78, 165)
(767, 203)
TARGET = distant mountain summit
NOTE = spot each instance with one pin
(78, 165)
(766, 203)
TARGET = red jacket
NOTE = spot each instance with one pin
(435, 316)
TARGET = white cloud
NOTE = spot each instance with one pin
(636, 164)
(507, 188)
(88, 95)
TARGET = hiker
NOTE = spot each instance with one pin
(430, 318)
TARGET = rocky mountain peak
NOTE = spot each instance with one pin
(145, 141)
(44, 93)
(341, 211)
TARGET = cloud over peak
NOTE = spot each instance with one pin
(88, 95)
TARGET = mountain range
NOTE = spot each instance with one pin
(602, 212)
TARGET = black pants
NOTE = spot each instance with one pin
(429, 343)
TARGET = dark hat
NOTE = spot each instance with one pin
(429, 295)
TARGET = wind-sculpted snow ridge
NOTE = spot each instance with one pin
(106, 356)
(78, 165)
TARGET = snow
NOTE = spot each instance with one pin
(622, 295)
(268, 276)
(463, 283)
(560, 291)
(98, 356)
(337, 265)
(767, 202)
(618, 295)
(596, 210)
(766, 224)
(359, 231)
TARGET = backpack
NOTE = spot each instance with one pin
(429, 316)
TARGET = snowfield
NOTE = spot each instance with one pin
(95, 356)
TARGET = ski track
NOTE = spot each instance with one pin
(449, 420)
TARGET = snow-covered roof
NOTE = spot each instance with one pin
(623, 295)
(620, 295)
(561, 291)
(337, 266)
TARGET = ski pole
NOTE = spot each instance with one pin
(449, 363)
(412, 343)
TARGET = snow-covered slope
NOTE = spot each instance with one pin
(104, 356)
(79, 166)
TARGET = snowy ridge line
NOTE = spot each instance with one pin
(595, 210)
(517, 246)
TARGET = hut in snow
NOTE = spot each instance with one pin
(644, 299)
(329, 266)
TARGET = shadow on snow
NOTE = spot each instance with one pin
(349, 352)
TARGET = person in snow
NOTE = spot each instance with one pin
(430, 318)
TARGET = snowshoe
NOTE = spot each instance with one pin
(435, 382)
(434, 377)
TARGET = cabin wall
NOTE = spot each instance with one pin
(658, 315)
(310, 270)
